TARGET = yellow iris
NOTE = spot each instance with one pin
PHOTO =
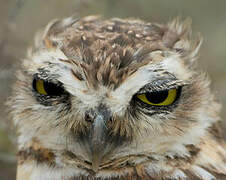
(40, 87)
(164, 101)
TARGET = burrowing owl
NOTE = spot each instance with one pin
(116, 99)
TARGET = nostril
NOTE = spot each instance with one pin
(88, 118)
(111, 119)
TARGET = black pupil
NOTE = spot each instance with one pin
(157, 97)
(53, 89)
(50, 88)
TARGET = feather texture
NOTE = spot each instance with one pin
(97, 129)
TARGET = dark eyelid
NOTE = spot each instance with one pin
(46, 78)
(162, 85)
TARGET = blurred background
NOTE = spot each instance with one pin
(20, 19)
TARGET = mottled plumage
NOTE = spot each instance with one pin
(95, 126)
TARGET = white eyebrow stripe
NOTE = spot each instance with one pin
(147, 74)
(174, 65)
(51, 56)
(123, 94)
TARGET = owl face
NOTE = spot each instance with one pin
(95, 91)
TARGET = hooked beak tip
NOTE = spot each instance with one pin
(98, 138)
(98, 141)
(95, 163)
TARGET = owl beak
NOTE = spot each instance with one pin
(98, 137)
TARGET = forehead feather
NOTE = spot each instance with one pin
(106, 52)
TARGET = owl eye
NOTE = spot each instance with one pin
(47, 88)
(160, 98)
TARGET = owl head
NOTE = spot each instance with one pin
(95, 91)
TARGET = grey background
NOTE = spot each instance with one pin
(19, 20)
